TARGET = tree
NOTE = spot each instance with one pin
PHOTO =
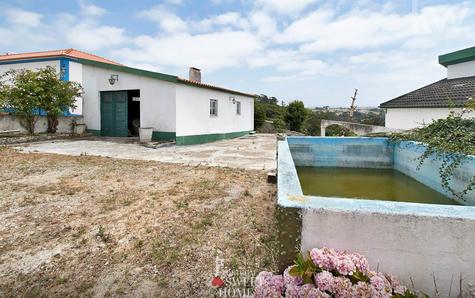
(27, 92)
(57, 96)
(20, 90)
(295, 115)
(259, 115)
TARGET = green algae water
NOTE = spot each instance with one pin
(369, 184)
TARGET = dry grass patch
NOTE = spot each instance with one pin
(89, 226)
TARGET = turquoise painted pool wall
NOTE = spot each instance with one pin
(341, 152)
(417, 242)
(360, 152)
(406, 161)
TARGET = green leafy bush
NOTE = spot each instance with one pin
(450, 140)
(295, 116)
(338, 131)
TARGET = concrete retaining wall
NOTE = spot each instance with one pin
(11, 122)
(411, 240)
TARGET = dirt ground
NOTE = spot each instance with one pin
(101, 227)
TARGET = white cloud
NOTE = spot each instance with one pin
(325, 31)
(22, 17)
(263, 23)
(209, 51)
(92, 36)
(168, 21)
(89, 9)
(219, 22)
(284, 6)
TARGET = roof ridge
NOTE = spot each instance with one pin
(35, 52)
(97, 56)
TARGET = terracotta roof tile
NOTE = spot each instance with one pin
(71, 53)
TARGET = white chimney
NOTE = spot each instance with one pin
(195, 74)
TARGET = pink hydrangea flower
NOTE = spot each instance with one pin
(309, 291)
(395, 284)
(292, 291)
(268, 285)
(361, 263)
(342, 287)
(291, 280)
(325, 258)
(381, 286)
(345, 265)
(324, 281)
(362, 290)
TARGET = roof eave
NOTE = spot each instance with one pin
(461, 56)
(206, 86)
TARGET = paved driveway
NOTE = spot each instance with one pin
(256, 152)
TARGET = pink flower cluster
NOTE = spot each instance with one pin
(345, 263)
(335, 276)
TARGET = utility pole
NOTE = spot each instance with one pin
(352, 107)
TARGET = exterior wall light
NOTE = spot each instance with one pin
(232, 99)
(113, 79)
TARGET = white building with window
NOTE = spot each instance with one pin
(117, 99)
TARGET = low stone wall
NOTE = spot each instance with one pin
(417, 242)
(11, 123)
(357, 128)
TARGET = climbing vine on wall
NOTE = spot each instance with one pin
(450, 140)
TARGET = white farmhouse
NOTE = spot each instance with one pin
(436, 100)
(118, 98)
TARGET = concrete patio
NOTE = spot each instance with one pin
(254, 152)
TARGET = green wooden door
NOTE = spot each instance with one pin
(114, 114)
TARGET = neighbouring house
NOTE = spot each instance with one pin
(435, 101)
(117, 99)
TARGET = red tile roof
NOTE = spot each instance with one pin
(71, 53)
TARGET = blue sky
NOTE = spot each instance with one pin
(314, 50)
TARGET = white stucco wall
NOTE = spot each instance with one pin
(29, 65)
(193, 117)
(460, 70)
(75, 74)
(409, 246)
(411, 118)
(157, 98)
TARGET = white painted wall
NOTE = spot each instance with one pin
(29, 65)
(400, 118)
(192, 112)
(461, 70)
(157, 98)
(409, 246)
(75, 74)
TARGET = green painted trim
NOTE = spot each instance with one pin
(200, 139)
(163, 136)
(131, 70)
(95, 132)
(461, 56)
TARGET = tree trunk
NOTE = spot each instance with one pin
(52, 123)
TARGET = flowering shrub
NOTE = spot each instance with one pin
(329, 273)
